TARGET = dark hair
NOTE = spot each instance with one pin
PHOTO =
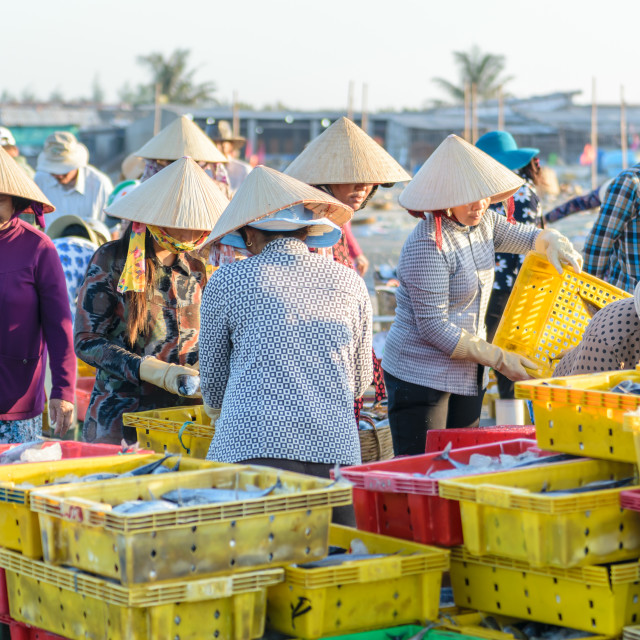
(136, 301)
(20, 205)
(532, 171)
(300, 234)
(76, 230)
(327, 189)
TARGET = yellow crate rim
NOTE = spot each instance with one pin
(143, 595)
(595, 575)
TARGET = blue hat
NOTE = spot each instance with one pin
(501, 146)
(322, 232)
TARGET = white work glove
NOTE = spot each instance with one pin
(508, 363)
(558, 250)
(165, 375)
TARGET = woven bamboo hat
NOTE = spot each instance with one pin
(266, 191)
(182, 137)
(15, 182)
(345, 154)
(458, 173)
(180, 196)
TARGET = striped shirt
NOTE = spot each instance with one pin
(285, 348)
(611, 250)
(444, 291)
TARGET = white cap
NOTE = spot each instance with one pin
(6, 137)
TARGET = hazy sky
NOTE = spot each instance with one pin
(305, 53)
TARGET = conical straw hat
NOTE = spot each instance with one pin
(15, 182)
(182, 137)
(265, 191)
(458, 173)
(345, 154)
(180, 196)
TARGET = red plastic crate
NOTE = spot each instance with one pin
(84, 388)
(438, 439)
(21, 631)
(72, 449)
(388, 499)
(630, 499)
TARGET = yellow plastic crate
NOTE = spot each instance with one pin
(598, 599)
(579, 415)
(185, 430)
(547, 313)
(400, 589)
(631, 424)
(85, 370)
(19, 527)
(79, 606)
(505, 514)
(80, 530)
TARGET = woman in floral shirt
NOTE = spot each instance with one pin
(527, 209)
(138, 315)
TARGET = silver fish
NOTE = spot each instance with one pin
(143, 506)
(95, 477)
(445, 456)
(188, 385)
(146, 469)
(341, 558)
(597, 485)
(13, 454)
(192, 497)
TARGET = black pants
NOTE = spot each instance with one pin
(414, 409)
(497, 304)
(341, 515)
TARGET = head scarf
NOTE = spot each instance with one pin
(510, 207)
(133, 276)
(33, 207)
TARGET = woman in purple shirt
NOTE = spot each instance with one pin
(35, 317)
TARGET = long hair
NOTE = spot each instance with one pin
(136, 301)
(532, 171)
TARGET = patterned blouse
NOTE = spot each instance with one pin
(286, 347)
(75, 255)
(444, 291)
(173, 311)
(528, 210)
(611, 341)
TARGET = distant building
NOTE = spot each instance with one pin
(553, 123)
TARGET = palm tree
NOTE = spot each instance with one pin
(175, 80)
(476, 67)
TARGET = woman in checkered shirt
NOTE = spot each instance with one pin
(436, 351)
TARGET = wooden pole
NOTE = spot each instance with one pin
(350, 100)
(365, 112)
(157, 118)
(623, 128)
(474, 113)
(594, 136)
(467, 112)
(236, 117)
(500, 109)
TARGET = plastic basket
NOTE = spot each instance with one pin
(72, 449)
(438, 439)
(21, 631)
(84, 388)
(506, 514)
(19, 526)
(185, 430)
(290, 525)
(598, 599)
(402, 588)
(79, 605)
(579, 414)
(547, 313)
(631, 424)
(390, 500)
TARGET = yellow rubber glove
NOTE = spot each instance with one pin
(165, 375)
(558, 250)
(509, 364)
